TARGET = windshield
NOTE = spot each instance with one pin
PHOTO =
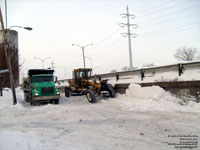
(84, 74)
(43, 79)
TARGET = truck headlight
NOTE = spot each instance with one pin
(36, 94)
(57, 93)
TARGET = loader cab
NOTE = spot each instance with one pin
(81, 75)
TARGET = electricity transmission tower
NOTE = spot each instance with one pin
(129, 34)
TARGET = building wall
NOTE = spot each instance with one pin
(12, 39)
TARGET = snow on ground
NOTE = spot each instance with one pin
(142, 119)
(154, 99)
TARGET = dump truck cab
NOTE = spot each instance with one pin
(40, 87)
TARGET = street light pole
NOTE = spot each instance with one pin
(83, 56)
(83, 47)
(90, 60)
(42, 60)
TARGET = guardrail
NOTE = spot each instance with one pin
(179, 67)
(142, 72)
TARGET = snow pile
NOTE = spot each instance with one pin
(154, 98)
(19, 140)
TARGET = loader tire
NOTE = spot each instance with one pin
(68, 92)
(91, 96)
(111, 91)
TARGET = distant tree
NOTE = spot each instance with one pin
(125, 68)
(187, 54)
(148, 65)
(113, 71)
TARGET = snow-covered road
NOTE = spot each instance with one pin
(143, 119)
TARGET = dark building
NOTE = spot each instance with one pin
(12, 40)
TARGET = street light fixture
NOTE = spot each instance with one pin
(83, 47)
(42, 60)
(27, 28)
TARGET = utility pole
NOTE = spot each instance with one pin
(52, 64)
(129, 34)
(7, 53)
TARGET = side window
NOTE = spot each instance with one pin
(76, 75)
(81, 74)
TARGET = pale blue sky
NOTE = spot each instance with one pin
(164, 25)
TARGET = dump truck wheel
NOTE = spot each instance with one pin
(68, 91)
(56, 101)
(33, 102)
(26, 98)
(111, 91)
(91, 96)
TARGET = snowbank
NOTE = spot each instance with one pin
(19, 140)
(154, 98)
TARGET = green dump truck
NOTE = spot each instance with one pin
(39, 87)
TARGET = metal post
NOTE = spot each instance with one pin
(6, 14)
(129, 39)
(11, 75)
(83, 56)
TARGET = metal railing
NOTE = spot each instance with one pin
(179, 67)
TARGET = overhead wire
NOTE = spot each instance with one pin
(111, 49)
(167, 8)
(156, 6)
(170, 28)
(103, 41)
(169, 32)
(166, 21)
(163, 16)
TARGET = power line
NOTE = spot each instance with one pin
(105, 32)
(110, 49)
(169, 32)
(103, 40)
(162, 22)
(156, 6)
(169, 28)
(107, 37)
(170, 7)
(169, 14)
